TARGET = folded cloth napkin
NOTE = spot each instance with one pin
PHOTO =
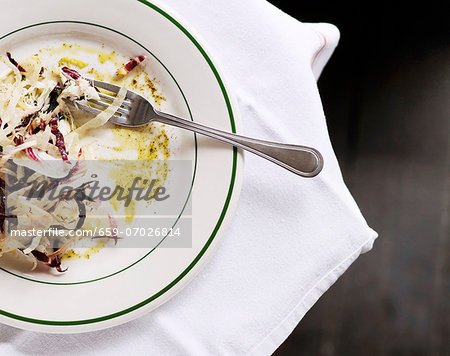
(290, 239)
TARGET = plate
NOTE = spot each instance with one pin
(117, 285)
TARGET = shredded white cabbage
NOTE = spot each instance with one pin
(104, 116)
(38, 132)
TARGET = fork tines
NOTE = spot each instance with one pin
(95, 107)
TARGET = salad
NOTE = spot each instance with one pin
(41, 140)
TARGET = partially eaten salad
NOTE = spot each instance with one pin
(37, 127)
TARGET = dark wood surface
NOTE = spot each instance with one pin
(386, 94)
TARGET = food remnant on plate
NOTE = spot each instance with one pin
(87, 253)
(74, 61)
(133, 63)
(14, 63)
(36, 126)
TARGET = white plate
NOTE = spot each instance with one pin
(118, 285)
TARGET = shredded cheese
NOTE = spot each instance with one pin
(105, 115)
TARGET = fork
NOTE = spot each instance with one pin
(137, 111)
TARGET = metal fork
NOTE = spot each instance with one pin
(137, 111)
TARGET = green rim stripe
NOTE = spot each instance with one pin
(195, 154)
(145, 302)
(205, 55)
(216, 229)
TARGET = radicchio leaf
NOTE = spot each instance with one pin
(53, 123)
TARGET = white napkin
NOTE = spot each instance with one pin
(291, 238)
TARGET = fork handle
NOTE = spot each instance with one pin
(301, 160)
